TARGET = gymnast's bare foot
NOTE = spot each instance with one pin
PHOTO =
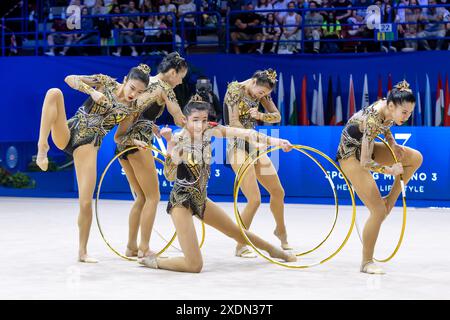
(86, 259)
(283, 255)
(41, 158)
(131, 252)
(283, 238)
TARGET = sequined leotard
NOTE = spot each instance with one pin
(236, 98)
(366, 123)
(93, 121)
(152, 104)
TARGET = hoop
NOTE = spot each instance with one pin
(169, 243)
(238, 182)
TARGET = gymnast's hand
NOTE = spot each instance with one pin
(395, 169)
(399, 151)
(140, 144)
(254, 113)
(155, 130)
(100, 98)
(166, 132)
(285, 145)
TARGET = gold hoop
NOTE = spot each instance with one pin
(169, 243)
(241, 223)
(402, 232)
(336, 201)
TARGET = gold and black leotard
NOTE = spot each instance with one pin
(365, 124)
(191, 175)
(237, 105)
(152, 105)
(93, 121)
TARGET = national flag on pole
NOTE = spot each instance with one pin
(446, 103)
(365, 94)
(330, 116)
(417, 112)
(351, 105)
(280, 103)
(293, 105)
(216, 88)
(389, 83)
(380, 88)
(317, 117)
(439, 103)
(339, 119)
(427, 112)
(303, 119)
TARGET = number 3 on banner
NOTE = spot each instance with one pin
(74, 17)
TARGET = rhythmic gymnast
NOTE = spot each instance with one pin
(81, 136)
(241, 111)
(139, 165)
(188, 164)
(358, 154)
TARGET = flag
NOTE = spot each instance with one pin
(281, 100)
(303, 116)
(417, 112)
(439, 103)
(293, 105)
(365, 94)
(446, 103)
(216, 88)
(330, 114)
(339, 120)
(427, 111)
(380, 88)
(351, 108)
(317, 117)
(389, 84)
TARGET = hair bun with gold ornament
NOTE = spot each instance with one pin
(144, 68)
(271, 75)
(403, 86)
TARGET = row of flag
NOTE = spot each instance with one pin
(330, 112)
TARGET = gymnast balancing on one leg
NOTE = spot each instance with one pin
(81, 136)
(139, 165)
(188, 164)
(358, 154)
(241, 110)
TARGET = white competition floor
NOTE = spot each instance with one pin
(39, 237)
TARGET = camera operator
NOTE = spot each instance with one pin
(204, 89)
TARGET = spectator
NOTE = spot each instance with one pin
(447, 20)
(410, 29)
(326, 4)
(390, 16)
(59, 37)
(234, 5)
(435, 26)
(167, 7)
(146, 6)
(313, 24)
(125, 36)
(342, 14)
(263, 5)
(167, 35)
(131, 9)
(331, 29)
(89, 4)
(152, 33)
(109, 4)
(99, 8)
(281, 5)
(189, 20)
(271, 31)
(401, 11)
(248, 29)
(291, 32)
(89, 36)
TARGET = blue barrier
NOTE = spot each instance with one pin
(299, 175)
